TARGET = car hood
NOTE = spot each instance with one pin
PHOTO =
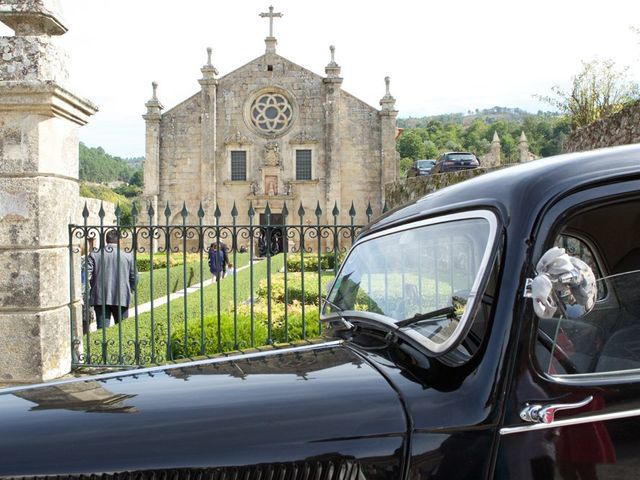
(279, 406)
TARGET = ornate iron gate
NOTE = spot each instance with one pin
(178, 309)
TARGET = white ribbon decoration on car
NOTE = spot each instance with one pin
(566, 279)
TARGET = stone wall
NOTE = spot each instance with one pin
(406, 190)
(621, 128)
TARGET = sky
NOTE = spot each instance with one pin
(442, 57)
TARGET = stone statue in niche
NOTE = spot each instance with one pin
(272, 154)
(271, 185)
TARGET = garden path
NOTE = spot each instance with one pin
(146, 307)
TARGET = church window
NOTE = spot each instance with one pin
(271, 113)
(303, 164)
(239, 165)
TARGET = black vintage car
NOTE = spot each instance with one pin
(490, 330)
(454, 162)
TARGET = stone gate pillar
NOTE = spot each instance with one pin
(152, 159)
(333, 160)
(39, 193)
(209, 175)
(389, 157)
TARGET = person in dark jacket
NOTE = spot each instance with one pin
(112, 276)
(218, 260)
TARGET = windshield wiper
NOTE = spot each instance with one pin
(340, 321)
(331, 304)
(443, 312)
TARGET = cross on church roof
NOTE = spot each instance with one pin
(271, 15)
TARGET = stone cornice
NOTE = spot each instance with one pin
(237, 139)
(46, 98)
(332, 80)
(207, 82)
(302, 138)
(31, 17)
(388, 113)
(152, 117)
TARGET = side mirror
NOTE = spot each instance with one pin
(562, 283)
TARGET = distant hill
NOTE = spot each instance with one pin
(487, 115)
(98, 166)
(135, 162)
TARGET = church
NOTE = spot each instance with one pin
(269, 132)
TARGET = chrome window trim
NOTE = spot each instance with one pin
(492, 220)
(597, 378)
(571, 421)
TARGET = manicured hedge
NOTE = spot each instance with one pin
(229, 341)
(143, 260)
(327, 261)
(294, 286)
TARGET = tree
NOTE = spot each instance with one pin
(476, 137)
(430, 149)
(596, 92)
(405, 164)
(137, 178)
(411, 145)
(98, 166)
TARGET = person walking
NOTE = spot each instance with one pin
(112, 276)
(218, 260)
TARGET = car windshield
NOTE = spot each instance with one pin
(422, 279)
(458, 157)
(425, 163)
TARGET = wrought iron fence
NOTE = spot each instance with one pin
(178, 307)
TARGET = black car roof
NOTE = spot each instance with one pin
(522, 189)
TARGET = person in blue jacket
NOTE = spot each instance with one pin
(218, 260)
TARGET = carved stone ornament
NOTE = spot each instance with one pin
(272, 154)
(303, 137)
(237, 138)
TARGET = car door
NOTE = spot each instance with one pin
(574, 402)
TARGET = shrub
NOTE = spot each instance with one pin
(294, 262)
(143, 260)
(194, 346)
(294, 287)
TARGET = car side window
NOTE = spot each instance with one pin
(607, 339)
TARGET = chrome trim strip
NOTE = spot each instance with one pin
(172, 366)
(571, 421)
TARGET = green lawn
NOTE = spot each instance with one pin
(146, 339)
(176, 281)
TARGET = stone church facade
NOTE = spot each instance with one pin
(269, 132)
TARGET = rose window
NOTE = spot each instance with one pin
(271, 113)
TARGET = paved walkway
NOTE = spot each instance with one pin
(146, 307)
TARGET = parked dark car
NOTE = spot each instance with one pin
(455, 161)
(490, 330)
(420, 167)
